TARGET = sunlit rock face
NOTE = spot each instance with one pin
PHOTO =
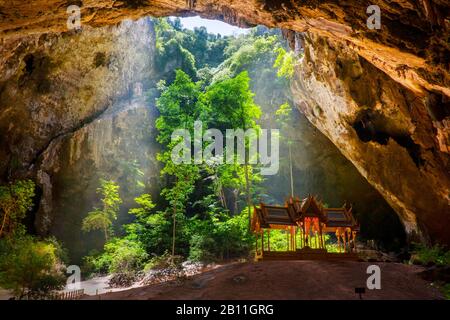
(413, 34)
(119, 146)
(388, 132)
(381, 96)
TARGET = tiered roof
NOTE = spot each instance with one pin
(295, 211)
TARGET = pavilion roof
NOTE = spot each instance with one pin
(269, 216)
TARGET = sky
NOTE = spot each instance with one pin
(213, 26)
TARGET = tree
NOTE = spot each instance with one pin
(178, 109)
(285, 63)
(146, 205)
(177, 106)
(284, 114)
(232, 107)
(102, 219)
(15, 200)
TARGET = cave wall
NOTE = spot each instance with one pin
(73, 110)
(382, 96)
(384, 128)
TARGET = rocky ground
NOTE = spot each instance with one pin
(288, 280)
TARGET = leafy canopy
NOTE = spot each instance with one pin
(16, 199)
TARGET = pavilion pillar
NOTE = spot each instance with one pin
(262, 242)
(317, 240)
(338, 236)
(295, 238)
(288, 241)
(305, 243)
(321, 236)
(296, 232)
(345, 242)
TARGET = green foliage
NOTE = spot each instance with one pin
(186, 49)
(220, 237)
(29, 267)
(446, 291)
(285, 63)
(146, 205)
(120, 255)
(245, 53)
(231, 103)
(204, 77)
(426, 255)
(16, 199)
(177, 106)
(330, 245)
(284, 111)
(102, 219)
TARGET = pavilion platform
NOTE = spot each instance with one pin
(307, 254)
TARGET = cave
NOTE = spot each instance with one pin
(369, 123)
(370, 126)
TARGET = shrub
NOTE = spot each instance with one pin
(31, 268)
(220, 238)
(120, 255)
(436, 255)
(202, 248)
(446, 291)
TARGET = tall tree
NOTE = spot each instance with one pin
(178, 110)
(232, 107)
(284, 115)
(102, 219)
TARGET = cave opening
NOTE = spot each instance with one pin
(29, 63)
(151, 51)
(372, 126)
(91, 94)
(438, 106)
(125, 74)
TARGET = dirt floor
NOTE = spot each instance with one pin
(289, 280)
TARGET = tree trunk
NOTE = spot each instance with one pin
(174, 229)
(5, 218)
(249, 198)
(235, 206)
(223, 198)
(290, 169)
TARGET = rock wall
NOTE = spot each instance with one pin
(385, 129)
(120, 147)
(73, 110)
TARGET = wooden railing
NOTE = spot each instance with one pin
(69, 295)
